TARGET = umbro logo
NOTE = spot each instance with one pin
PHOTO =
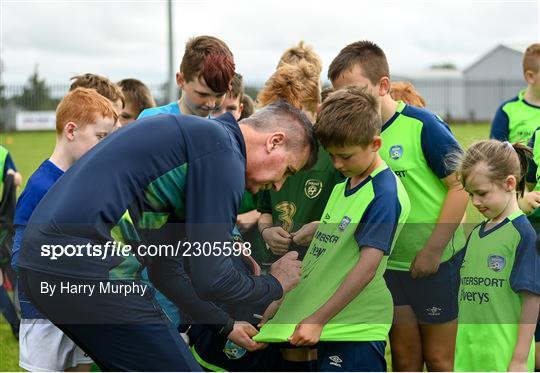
(335, 360)
(434, 311)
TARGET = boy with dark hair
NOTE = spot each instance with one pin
(232, 102)
(206, 71)
(423, 268)
(349, 317)
(137, 97)
(83, 118)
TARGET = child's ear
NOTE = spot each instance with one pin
(510, 184)
(384, 86)
(69, 130)
(376, 144)
(529, 77)
(180, 81)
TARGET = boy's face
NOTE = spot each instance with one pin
(197, 98)
(85, 138)
(230, 104)
(354, 160)
(128, 114)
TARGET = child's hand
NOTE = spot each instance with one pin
(425, 264)
(529, 202)
(278, 239)
(304, 235)
(517, 366)
(307, 333)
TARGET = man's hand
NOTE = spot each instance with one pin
(304, 235)
(426, 263)
(307, 333)
(287, 270)
(242, 334)
(247, 220)
(529, 202)
(278, 239)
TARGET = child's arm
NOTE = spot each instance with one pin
(309, 330)
(428, 259)
(527, 325)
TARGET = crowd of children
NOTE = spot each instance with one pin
(358, 181)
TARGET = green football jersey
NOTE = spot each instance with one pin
(515, 120)
(301, 200)
(415, 145)
(498, 263)
(369, 215)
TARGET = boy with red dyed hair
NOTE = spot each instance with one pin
(83, 118)
(205, 75)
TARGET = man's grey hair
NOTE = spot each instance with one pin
(282, 116)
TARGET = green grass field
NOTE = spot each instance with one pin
(31, 148)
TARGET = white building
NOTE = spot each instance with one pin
(474, 93)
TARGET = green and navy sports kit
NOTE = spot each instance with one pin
(416, 145)
(368, 215)
(515, 120)
(500, 262)
(303, 196)
(151, 182)
(301, 200)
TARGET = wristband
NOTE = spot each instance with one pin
(227, 328)
(268, 226)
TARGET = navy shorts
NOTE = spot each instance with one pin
(119, 332)
(351, 356)
(216, 353)
(434, 299)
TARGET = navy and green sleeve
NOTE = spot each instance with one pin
(499, 127)
(378, 225)
(438, 144)
(525, 274)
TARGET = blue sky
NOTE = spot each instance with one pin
(121, 39)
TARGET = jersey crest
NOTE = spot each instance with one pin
(233, 351)
(396, 152)
(344, 223)
(496, 262)
(313, 188)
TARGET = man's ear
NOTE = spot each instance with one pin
(274, 140)
(180, 81)
(241, 107)
(69, 130)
